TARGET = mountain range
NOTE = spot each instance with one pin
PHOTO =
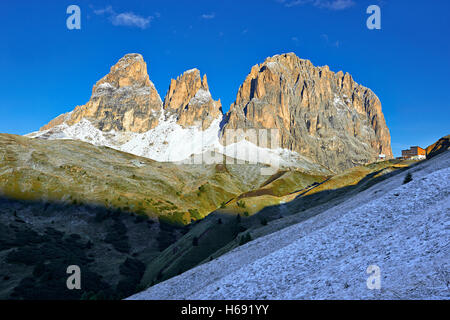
(287, 112)
(137, 190)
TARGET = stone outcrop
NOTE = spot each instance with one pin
(438, 147)
(126, 100)
(320, 114)
(123, 100)
(189, 99)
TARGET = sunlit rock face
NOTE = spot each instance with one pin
(320, 114)
(123, 100)
(126, 100)
(189, 99)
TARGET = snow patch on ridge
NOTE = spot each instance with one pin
(191, 70)
(272, 64)
(170, 142)
(245, 150)
(106, 85)
(83, 131)
(201, 97)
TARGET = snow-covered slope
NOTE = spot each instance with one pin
(170, 142)
(402, 229)
(166, 142)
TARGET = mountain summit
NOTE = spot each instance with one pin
(325, 120)
(189, 99)
(320, 114)
(123, 100)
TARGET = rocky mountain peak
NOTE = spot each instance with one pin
(190, 100)
(131, 70)
(126, 100)
(123, 100)
(320, 114)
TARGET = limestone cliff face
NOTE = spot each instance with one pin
(123, 100)
(189, 99)
(126, 100)
(320, 114)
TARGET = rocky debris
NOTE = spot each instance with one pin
(320, 114)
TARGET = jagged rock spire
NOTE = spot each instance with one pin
(189, 99)
(123, 100)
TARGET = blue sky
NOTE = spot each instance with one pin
(48, 69)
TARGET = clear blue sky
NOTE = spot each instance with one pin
(47, 69)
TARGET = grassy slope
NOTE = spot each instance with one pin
(58, 172)
(71, 186)
(76, 172)
(311, 194)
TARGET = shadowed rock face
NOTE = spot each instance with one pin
(189, 99)
(320, 114)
